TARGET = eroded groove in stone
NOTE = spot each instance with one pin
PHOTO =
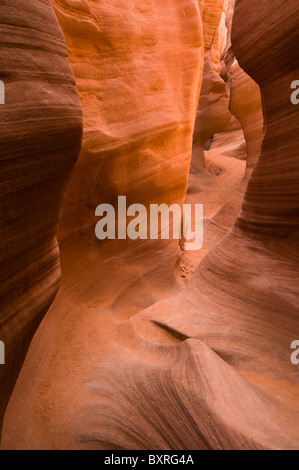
(40, 137)
(208, 367)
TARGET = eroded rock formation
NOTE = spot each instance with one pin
(40, 137)
(212, 115)
(138, 66)
(245, 101)
(212, 111)
(245, 104)
(208, 368)
(243, 300)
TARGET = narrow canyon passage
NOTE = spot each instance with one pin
(148, 345)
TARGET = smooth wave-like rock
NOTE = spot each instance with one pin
(212, 111)
(138, 67)
(245, 103)
(212, 114)
(210, 367)
(243, 300)
(40, 137)
(139, 86)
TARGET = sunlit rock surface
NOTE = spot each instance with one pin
(209, 367)
(138, 67)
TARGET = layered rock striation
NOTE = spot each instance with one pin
(208, 368)
(40, 137)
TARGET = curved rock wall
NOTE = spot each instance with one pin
(245, 103)
(210, 367)
(243, 299)
(138, 67)
(212, 111)
(40, 137)
(245, 98)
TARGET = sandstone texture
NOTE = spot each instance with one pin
(40, 137)
(126, 358)
(212, 111)
(245, 106)
(138, 67)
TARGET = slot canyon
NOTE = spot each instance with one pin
(142, 344)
